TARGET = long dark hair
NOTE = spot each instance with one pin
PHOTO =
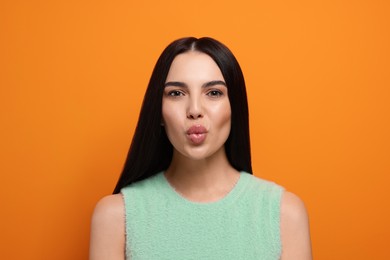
(150, 151)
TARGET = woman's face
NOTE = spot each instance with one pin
(195, 107)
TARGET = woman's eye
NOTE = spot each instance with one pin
(175, 93)
(214, 93)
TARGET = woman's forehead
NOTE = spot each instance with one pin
(194, 65)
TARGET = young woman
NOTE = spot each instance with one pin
(187, 189)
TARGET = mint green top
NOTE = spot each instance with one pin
(161, 224)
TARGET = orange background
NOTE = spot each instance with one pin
(73, 75)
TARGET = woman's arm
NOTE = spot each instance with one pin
(294, 227)
(108, 229)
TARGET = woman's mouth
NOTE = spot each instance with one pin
(196, 134)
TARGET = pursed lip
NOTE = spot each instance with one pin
(196, 134)
(196, 129)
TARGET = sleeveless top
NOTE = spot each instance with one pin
(161, 224)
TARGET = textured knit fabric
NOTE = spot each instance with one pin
(161, 224)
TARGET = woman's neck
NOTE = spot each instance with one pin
(204, 180)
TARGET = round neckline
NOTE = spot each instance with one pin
(233, 193)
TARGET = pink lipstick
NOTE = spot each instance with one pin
(196, 134)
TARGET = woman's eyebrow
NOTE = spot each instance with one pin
(184, 85)
(175, 84)
(213, 83)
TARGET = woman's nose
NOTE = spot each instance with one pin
(195, 109)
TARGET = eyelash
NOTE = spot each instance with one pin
(215, 93)
(211, 93)
(175, 93)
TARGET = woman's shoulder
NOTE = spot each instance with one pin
(110, 205)
(294, 225)
(293, 207)
(108, 228)
(109, 213)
